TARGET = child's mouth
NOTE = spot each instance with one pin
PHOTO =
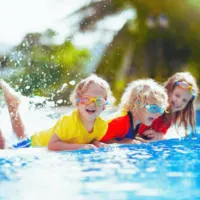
(175, 107)
(151, 119)
(90, 111)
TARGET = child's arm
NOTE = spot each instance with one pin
(98, 144)
(137, 140)
(56, 144)
(113, 141)
(2, 141)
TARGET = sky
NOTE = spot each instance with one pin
(19, 17)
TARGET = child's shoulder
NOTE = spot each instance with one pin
(100, 123)
(120, 117)
(117, 115)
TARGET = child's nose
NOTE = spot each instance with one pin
(178, 102)
(92, 102)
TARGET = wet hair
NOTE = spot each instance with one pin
(186, 116)
(142, 91)
(82, 87)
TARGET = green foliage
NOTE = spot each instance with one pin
(43, 69)
(37, 77)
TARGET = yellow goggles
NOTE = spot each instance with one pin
(185, 85)
(99, 101)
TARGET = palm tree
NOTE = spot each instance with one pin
(162, 39)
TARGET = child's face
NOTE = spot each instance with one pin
(92, 102)
(148, 112)
(179, 99)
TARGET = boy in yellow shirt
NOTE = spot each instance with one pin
(75, 131)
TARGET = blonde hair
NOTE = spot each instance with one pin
(82, 86)
(143, 90)
(187, 115)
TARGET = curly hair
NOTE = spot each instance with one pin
(143, 91)
(82, 86)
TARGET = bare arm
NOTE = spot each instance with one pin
(137, 140)
(2, 141)
(98, 144)
(122, 141)
(13, 103)
(56, 144)
(113, 141)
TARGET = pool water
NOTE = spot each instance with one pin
(159, 170)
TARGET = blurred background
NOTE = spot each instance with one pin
(47, 46)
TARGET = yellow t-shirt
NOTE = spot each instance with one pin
(71, 130)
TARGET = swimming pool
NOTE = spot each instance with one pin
(159, 170)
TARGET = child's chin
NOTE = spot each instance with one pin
(172, 109)
(148, 123)
(91, 116)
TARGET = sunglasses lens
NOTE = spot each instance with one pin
(154, 109)
(100, 101)
(85, 100)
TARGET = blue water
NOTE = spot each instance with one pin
(159, 170)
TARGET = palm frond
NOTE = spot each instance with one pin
(96, 11)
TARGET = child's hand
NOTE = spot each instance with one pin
(153, 135)
(98, 144)
(141, 140)
(158, 136)
(150, 134)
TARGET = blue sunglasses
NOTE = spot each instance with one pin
(153, 108)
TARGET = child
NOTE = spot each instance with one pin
(142, 102)
(182, 91)
(77, 130)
